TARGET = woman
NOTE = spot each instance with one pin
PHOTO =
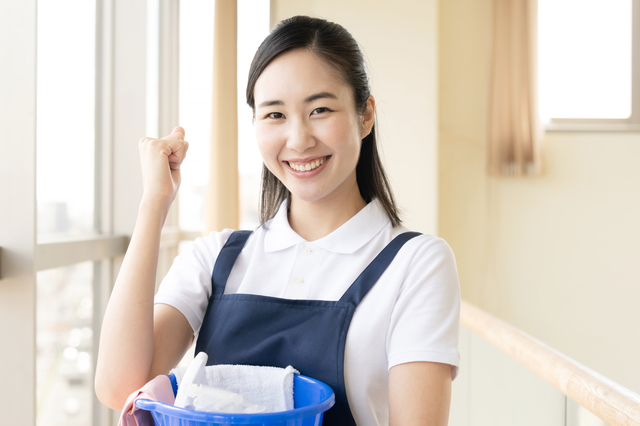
(330, 283)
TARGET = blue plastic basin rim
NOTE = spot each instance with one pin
(296, 413)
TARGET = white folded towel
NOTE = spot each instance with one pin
(268, 386)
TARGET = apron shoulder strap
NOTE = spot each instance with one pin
(225, 261)
(376, 268)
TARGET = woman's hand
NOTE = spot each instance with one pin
(160, 160)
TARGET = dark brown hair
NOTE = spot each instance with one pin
(338, 48)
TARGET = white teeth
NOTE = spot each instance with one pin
(306, 167)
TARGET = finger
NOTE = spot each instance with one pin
(180, 130)
(177, 157)
(176, 160)
(176, 134)
(178, 147)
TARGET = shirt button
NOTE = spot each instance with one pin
(299, 280)
(306, 250)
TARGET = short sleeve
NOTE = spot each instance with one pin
(425, 321)
(187, 285)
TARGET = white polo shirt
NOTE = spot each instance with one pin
(411, 314)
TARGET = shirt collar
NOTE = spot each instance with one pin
(347, 239)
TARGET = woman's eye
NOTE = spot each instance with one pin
(320, 110)
(275, 115)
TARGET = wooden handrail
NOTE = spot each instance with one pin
(613, 403)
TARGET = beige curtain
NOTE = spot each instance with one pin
(222, 195)
(514, 130)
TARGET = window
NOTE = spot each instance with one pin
(65, 111)
(196, 65)
(88, 80)
(253, 27)
(65, 158)
(75, 110)
(586, 64)
(196, 70)
(65, 350)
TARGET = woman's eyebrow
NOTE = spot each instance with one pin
(320, 96)
(306, 101)
(269, 103)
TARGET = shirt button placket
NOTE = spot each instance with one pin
(302, 272)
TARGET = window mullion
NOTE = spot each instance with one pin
(168, 73)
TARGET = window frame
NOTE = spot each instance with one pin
(119, 119)
(630, 124)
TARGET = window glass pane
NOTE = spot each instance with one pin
(65, 116)
(196, 68)
(253, 27)
(585, 58)
(64, 360)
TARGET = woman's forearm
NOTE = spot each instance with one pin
(126, 339)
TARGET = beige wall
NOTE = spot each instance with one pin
(399, 40)
(558, 255)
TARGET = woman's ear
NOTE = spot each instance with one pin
(368, 117)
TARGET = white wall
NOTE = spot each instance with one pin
(18, 212)
(399, 40)
(493, 389)
(556, 255)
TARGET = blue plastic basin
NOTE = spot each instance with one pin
(311, 398)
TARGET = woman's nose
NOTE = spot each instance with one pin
(300, 137)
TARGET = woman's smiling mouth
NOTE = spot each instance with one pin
(308, 165)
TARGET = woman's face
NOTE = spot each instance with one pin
(307, 127)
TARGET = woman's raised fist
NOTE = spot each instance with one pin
(160, 160)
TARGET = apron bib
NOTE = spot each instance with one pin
(310, 335)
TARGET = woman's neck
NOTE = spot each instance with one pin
(313, 220)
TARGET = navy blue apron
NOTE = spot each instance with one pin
(310, 335)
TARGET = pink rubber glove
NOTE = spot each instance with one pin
(158, 389)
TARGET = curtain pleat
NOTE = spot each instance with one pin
(222, 193)
(513, 127)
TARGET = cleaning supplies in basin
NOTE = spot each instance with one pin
(194, 374)
(271, 387)
(312, 399)
(207, 398)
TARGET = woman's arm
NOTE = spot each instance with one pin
(419, 394)
(135, 343)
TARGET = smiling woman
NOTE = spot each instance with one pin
(330, 282)
(311, 141)
(334, 73)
